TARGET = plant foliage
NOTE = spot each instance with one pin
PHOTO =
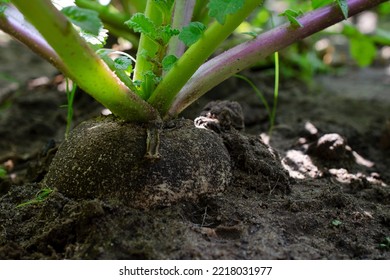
(175, 42)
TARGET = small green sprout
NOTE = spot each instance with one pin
(336, 223)
(3, 173)
(39, 197)
(385, 244)
(70, 93)
(292, 15)
(344, 7)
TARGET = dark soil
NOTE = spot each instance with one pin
(333, 138)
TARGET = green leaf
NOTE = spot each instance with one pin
(166, 32)
(384, 8)
(292, 17)
(336, 223)
(343, 4)
(150, 80)
(3, 173)
(382, 37)
(168, 62)
(39, 197)
(161, 35)
(363, 50)
(123, 63)
(95, 41)
(362, 47)
(351, 31)
(87, 20)
(3, 7)
(251, 33)
(219, 9)
(261, 18)
(137, 83)
(192, 33)
(140, 23)
(320, 3)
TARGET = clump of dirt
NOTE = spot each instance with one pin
(332, 204)
(256, 165)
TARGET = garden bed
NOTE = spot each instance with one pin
(332, 136)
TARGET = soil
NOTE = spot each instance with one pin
(332, 137)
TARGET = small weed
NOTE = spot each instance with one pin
(271, 111)
(3, 173)
(39, 197)
(70, 93)
(385, 244)
(8, 78)
(336, 223)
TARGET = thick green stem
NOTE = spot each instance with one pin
(82, 65)
(185, 67)
(147, 49)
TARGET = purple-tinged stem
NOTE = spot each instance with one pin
(181, 17)
(223, 66)
(14, 24)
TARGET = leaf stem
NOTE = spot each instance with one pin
(120, 73)
(244, 55)
(82, 65)
(197, 53)
(147, 49)
(181, 17)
